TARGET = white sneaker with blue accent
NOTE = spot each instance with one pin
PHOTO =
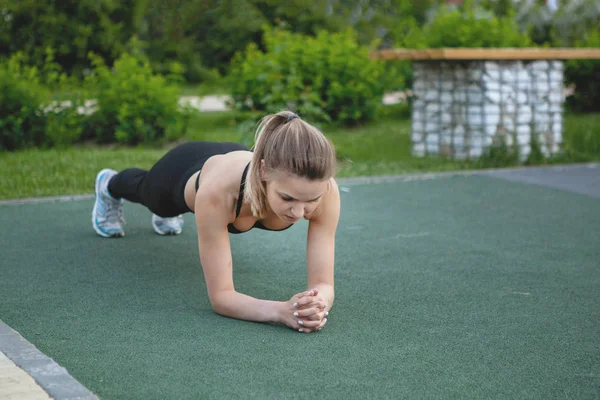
(107, 216)
(167, 226)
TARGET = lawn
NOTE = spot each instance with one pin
(378, 148)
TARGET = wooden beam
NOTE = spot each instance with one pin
(487, 54)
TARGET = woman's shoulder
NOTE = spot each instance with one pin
(223, 172)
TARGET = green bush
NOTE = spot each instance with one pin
(63, 124)
(72, 28)
(471, 27)
(29, 117)
(326, 78)
(134, 105)
(63, 121)
(21, 94)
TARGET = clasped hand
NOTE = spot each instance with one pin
(306, 312)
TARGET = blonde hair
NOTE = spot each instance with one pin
(287, 144)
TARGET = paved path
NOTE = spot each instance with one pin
(582, 178)
(218, 103)
(16, 384)
(204, 103)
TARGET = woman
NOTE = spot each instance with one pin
(288, 176)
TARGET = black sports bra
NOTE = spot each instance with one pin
(258, 224)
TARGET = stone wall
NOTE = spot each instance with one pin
(461, 108)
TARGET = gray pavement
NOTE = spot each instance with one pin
(582, 178)
(219, 103)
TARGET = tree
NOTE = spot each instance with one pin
(72, 28)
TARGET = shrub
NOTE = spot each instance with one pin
(472, 27)
(29, 116)
(134, 105)
(63, 124)
(21, 93)
(325, 78)
(63, 115)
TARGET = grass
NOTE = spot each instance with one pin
(37, 173)
(379, 148)
(582, 137)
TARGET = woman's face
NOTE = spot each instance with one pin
(292, 198)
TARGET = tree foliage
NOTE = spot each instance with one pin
(72, 28)
(204, 35)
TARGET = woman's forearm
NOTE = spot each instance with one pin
(237, 305)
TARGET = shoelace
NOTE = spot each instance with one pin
(114, 212)
(174, 222)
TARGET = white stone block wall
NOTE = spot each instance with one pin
(461, 108)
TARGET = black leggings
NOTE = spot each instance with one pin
(161, 189)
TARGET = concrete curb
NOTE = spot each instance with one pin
(50, 376)
(35, 200)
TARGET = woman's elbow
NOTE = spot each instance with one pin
(220, 304)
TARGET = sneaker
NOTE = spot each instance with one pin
(107, 216)
(167, 226)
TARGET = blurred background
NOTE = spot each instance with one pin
(90, 73)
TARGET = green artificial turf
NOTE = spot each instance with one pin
(458, 287)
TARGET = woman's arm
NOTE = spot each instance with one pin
(212, 216)
(312, 310)
(320, 254)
